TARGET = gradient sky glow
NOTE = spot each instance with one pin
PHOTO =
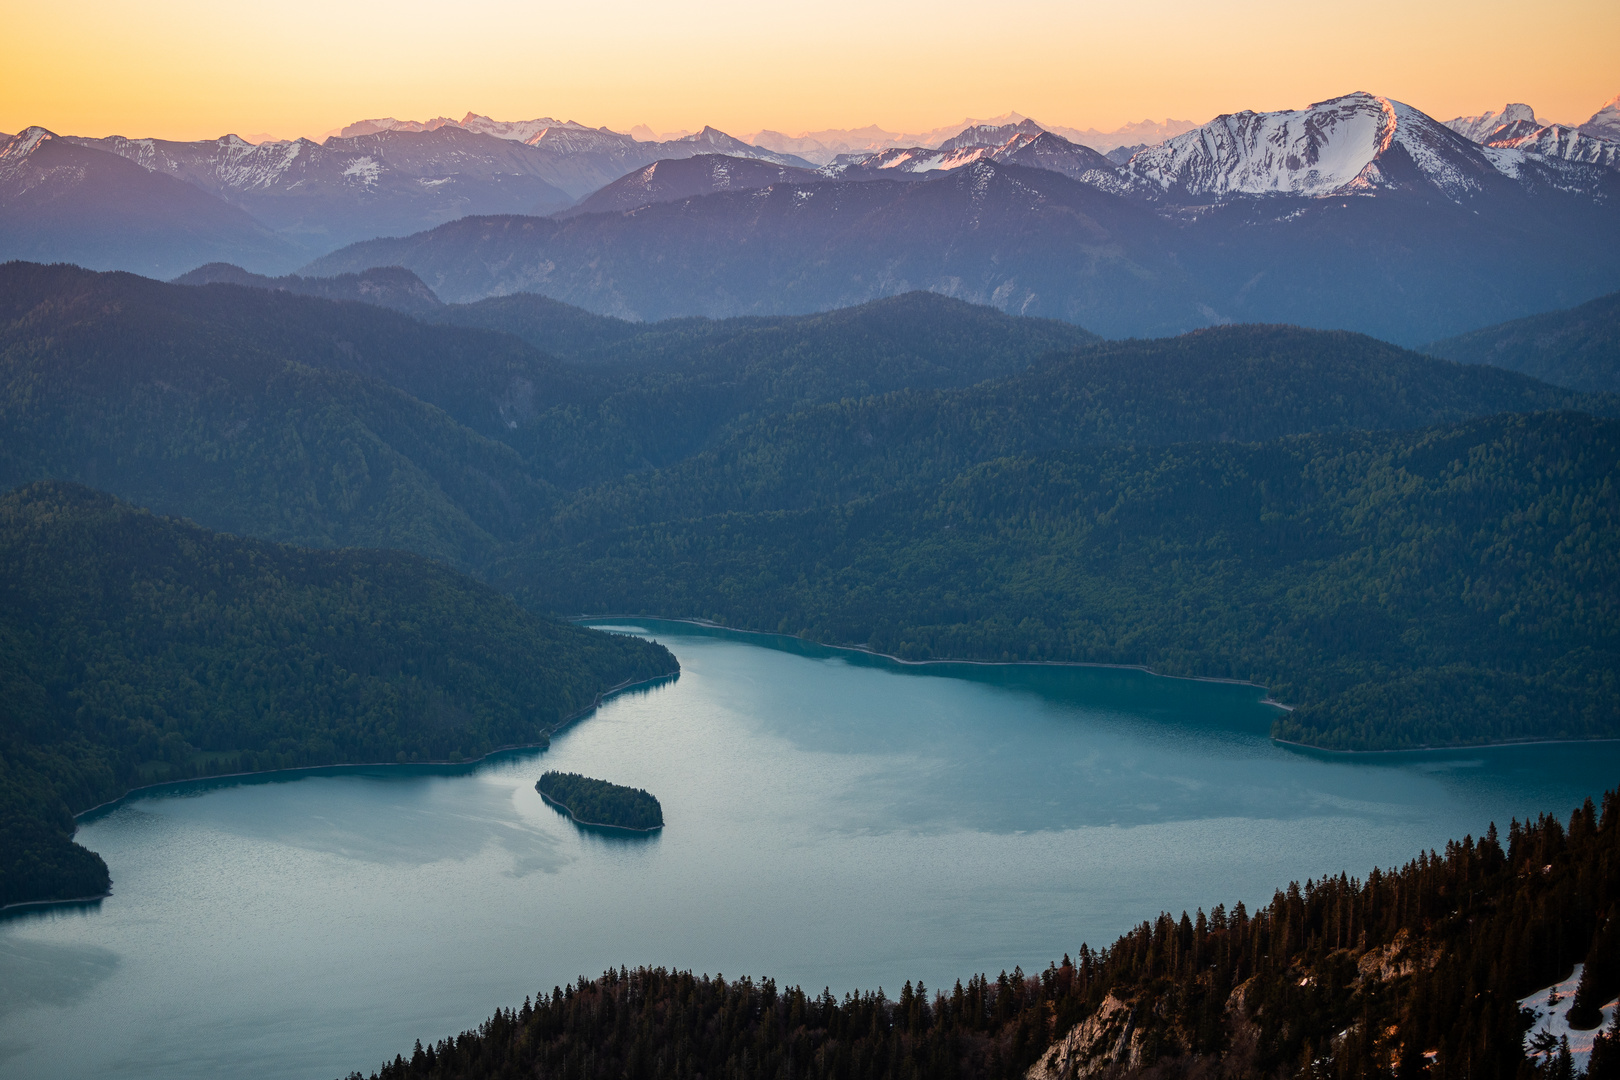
(188, 69)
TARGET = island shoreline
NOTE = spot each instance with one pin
(562, 724)
(596, 824)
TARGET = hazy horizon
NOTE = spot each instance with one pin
(182, 70)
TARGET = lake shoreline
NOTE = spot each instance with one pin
(869, 651)
(596, 824)
(1439, 749)
(562, 724)
(1118, 667)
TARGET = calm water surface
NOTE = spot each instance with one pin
(832, 820)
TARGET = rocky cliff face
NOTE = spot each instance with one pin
(1105, 1041)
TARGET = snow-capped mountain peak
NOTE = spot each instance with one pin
(22, 144)
(1356, 143)
(1605, 123)
(990, 135)
(516, 130)
(1480, 128)
(388, 123)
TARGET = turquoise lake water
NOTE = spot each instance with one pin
(832, 819)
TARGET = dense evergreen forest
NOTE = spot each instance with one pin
(598, 802)
(136, 649)
(1453, 585)
(1578, 348)
(1321, 512)
(1408, 973)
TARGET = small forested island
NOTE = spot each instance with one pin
(597, 802)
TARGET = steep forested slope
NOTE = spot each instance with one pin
(681, 385)
(1412, 972)
(135, 649)
(267, 413)
(1579, 348)
(1243, 383)
(1453, 585)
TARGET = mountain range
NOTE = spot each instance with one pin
(1359, 212)
(823, 147)
(274, 205)
(63, 202)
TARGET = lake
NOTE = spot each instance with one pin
(832, 819)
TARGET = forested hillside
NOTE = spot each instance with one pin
(1579, 347)
(1453, 585)
(1409, 972)
(1244, 383)
(266, 413)
(136, 649)
(917, 475)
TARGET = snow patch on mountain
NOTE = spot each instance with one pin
(364, 169)
(1549, 1008)
(1557, 141)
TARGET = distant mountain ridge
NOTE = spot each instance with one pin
(62, 201)
(824, 147)
(1578, 348)
(1516, 127)
(1406, 264)
(1024, 143)
(273, 205)
(1479, 128)
(385, 286)
(387, 182)
(671, 179)
(1218, 192)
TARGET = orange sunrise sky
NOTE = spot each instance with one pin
(187, 69)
